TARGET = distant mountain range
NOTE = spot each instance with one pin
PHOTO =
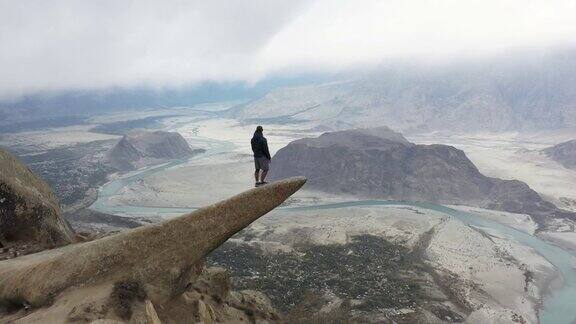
(69, 107)
(142, 148)
(528, 91)
(563, 153)
(380, 163)
(509, 93)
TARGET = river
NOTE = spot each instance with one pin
(558, 305)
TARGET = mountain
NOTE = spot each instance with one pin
(141, 148)
(29, 211)
(515, 92)
(563, 153)
(380, 163)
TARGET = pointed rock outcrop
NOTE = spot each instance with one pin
(160, 256)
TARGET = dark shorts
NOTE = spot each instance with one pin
(262, 163)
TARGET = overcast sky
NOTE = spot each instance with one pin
(48, 45)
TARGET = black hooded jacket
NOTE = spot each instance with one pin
(260, 146)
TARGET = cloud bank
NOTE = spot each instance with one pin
(51, 45)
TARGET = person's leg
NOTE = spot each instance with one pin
(265, 165)
(263, 175)
(257, 172)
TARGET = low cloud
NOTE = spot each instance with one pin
(62, 44)
(51, 45)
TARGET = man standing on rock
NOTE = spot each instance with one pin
(261, 156)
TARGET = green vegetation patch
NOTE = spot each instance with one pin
(369, 269)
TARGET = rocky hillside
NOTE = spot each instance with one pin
(29, 211)
(380, 163)
(509, 93)
(142, 148)
(563, 153)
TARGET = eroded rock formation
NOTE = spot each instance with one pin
(158, 261)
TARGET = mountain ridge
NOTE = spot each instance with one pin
(373, 165)
(563, 153)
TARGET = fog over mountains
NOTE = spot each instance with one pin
(512, 93)
(55, 109)
(519, 91)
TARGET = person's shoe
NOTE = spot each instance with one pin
(263, 183)
(258, 184)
